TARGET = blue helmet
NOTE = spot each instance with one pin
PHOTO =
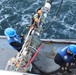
(10, 32)
(72, 48)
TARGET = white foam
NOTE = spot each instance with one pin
(6, 16)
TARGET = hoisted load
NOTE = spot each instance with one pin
(31, 41)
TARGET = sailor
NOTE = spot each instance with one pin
(13, 39)
(65, 57)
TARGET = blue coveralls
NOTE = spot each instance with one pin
(15, 42)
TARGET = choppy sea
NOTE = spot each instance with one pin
(17, 14)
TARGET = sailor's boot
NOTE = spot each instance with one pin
(68, 70)
(62, 69)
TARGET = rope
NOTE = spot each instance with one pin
(54, 16)
(52, 52)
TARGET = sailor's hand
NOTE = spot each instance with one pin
(67, 64)
(72, 64)
(21, 35)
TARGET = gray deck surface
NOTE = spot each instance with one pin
(6, 52)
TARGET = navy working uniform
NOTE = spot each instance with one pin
(63, 56)
(13, 39)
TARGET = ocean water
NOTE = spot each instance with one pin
(17, 14)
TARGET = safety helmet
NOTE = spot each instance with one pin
(10, 32)
(72, 48)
